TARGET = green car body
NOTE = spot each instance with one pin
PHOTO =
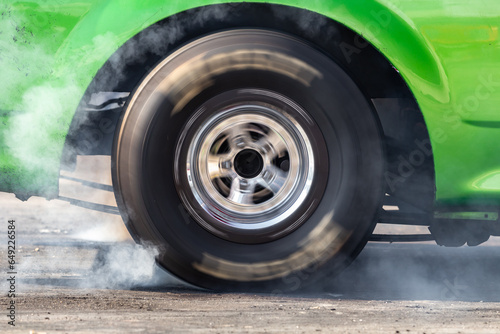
(447, 52)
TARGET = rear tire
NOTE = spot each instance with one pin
(252, 160)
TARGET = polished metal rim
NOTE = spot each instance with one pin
(249, 167)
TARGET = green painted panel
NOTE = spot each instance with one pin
(448, 52)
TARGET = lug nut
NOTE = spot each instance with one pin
(239, 142)
(266, 175)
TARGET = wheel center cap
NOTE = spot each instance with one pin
(248, 163)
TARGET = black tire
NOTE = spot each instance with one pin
(214, 232)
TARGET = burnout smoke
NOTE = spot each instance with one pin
(123, 266)
(43, 107)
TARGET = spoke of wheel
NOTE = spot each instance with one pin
(276, 182)
(238, 195)
(215, 166)
(275, 141)
(238, 135)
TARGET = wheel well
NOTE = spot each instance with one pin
(410, 168)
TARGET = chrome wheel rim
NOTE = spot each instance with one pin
(249, 167)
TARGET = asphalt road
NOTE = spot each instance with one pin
(77, 271)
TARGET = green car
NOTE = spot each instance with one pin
(257, 144)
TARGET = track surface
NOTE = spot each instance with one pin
(78, 272)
